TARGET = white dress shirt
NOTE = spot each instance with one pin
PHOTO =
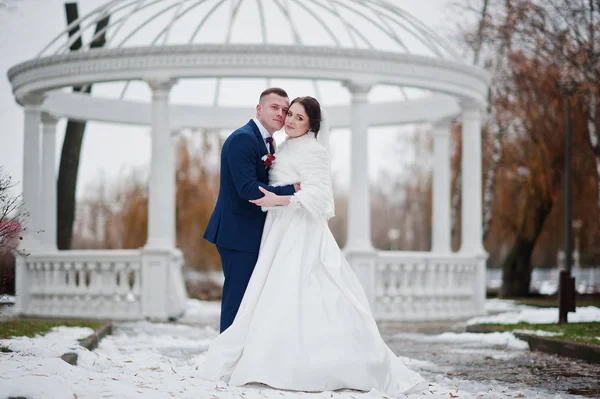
(265, 134)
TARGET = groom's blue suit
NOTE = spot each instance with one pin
(236, 224)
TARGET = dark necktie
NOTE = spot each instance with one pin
(269, 141)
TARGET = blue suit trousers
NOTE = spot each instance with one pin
(237, 268)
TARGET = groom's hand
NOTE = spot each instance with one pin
(297, 187)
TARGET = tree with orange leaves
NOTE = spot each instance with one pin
(119, 218)
(529, 46)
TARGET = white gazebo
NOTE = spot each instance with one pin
(361, 44)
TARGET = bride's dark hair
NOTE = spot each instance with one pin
(313, 111)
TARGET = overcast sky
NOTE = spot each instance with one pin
(26, 26)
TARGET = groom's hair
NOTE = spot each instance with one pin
(273, 90)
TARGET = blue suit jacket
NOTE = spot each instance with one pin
(235, 222)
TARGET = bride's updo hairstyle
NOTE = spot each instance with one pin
(313, 111)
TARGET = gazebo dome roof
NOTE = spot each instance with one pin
(362, 24)
(226, 51)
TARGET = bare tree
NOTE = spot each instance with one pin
(12, 215)
(527, 46)
(475, 42)
(565, 33)
(594, 135)
(74, 134)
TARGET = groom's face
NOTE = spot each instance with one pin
(271, 111)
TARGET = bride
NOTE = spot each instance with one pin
(305, 323)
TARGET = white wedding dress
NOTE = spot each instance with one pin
(305, 323)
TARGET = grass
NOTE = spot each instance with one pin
(583, 333)
(552, 301)
(32, 327)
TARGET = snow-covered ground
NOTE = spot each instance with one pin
(539, 316)
(496, 339)
(495, 305)
(201, 312)
(7, 299)
(153, 360)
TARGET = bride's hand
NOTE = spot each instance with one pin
(268, 200)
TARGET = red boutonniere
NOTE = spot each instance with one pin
(268, 160)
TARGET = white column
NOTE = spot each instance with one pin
(441, 229)
(359, 250)
(161, 198)
(359, 202)
(472, 231)
(31, 198)
(48, 191)
(31, 171)
(471, 238)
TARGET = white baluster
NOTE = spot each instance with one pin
(32, 269)
(431, 288)
(95, 286)
(420, 292)
(122, 289)
(447, 289)
(56, 288)
(69, 287)
(136, 289)
(80, 304)
(107, 288)
(48, 289)
(85, 281)
(406, 289)
(380, 288)
(393, 292)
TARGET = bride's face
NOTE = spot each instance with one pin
(296, 121)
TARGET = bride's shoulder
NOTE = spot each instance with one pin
(311, 144)
(317, 148)
(315, 153)
(304, 147)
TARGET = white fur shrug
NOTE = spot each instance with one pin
(304, 160)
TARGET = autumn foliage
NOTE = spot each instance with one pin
(529, 47)
(117, 217)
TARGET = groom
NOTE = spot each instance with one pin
(236, 224)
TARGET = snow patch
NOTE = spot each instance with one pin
(540, 333)
(158, 360)
(57, 342)
(539, 316)
(201, 312)
(496, 305)
(495, 339)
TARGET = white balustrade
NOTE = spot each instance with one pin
(86, 284)
(102, 284)
(415, 286)
(406, 286)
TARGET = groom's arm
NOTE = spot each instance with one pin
(242, 164)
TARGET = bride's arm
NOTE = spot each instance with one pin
(315, 195)
(270, 199)
(242, 165)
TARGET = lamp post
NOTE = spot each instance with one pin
(577, 225)
(566, 283)
(393, 236)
